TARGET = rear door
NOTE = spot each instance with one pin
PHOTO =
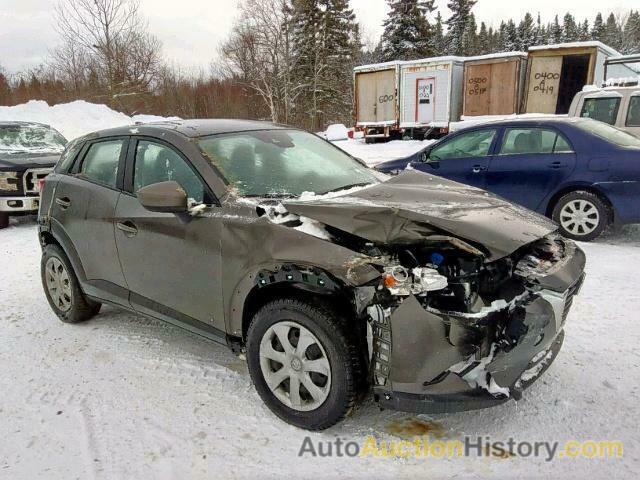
(529, 164)
(425, 99)
(463, 157)
(171, 262)
(84, 207)
(632, 118)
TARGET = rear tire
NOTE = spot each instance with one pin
(328, 364)
(4, 220)
(62, 288)
(581, 215)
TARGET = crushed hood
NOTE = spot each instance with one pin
(413, 205)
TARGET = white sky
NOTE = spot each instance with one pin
(191, 30)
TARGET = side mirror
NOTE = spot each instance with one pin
(167, 197)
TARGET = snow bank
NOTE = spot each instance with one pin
(337, 132)
(73, 119)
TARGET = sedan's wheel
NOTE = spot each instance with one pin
(581, 215)
(303, 364)
(62, 288)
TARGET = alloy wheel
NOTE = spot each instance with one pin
(295, 366)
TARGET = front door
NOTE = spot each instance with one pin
(170, 262)
(529, 164)
(463, 157)
(425, 96)
(84, 206)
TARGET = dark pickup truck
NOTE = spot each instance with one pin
(28, 153)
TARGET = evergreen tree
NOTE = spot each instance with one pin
(584, 32)
(541, 32)
(612, 33)
(508, 36)
(631, 34)
(470, 39)
(458, 25)
(484, 40)
(555, 32)
(526, 33)
(341, 44)
(598, 29)
(407, 31)
(570, 32)
(438, 45)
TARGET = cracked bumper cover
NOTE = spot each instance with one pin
(421, 365)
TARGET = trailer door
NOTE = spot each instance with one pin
(425, 96)
(544, 82)
(386, 96)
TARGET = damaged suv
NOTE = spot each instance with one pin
(331, 279)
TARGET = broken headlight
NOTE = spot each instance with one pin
(9, 181)
(420, 280)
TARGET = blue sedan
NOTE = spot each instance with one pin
(583, 174)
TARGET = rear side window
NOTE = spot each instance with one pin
(101, 162)
(531, 141)
(603, 109)
(633, 114)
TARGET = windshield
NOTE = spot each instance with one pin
(283, 163)
(31, 139)
(609, 133)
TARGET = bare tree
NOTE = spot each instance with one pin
(258, 54)
(112, 36)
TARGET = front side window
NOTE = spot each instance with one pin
(532, 141)
(603, 109)
(633, 114)
(158, 163)
(68, 156)
(101, 162)
(471, 144)
(283, 163)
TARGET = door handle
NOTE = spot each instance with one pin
(478, 168)
(128, 228)
(557, 165)
(64, 202)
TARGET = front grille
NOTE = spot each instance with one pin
(32, 176)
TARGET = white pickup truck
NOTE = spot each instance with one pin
(617, 106)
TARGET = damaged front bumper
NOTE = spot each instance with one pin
(428, 362)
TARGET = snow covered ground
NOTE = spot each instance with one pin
(375, 153)
(127, 397)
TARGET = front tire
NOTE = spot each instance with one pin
(303, 364)
(581, 215)
(62, 288)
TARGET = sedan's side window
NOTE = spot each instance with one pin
(158, 163)
(100, 164)
(531, 141)
(471, 144)
(633, 114)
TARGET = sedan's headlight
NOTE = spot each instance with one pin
(9, 181)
